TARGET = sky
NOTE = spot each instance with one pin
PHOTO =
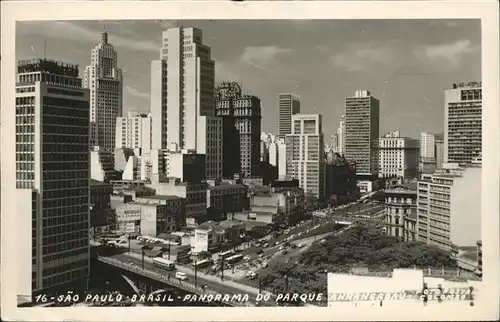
(406, 64)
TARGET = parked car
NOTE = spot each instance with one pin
(281, 248)
(260, 251)
(247, 258)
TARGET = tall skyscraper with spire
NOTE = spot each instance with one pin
(182, 98)
(105, 81)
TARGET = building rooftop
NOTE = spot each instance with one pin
(403, 188)
(226, 186)
(47, 66)
(230, 223)
(162, 197)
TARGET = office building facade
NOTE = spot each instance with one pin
(449, 207)
(105, 81)
(52, 171)
(398, 156)
(463, 123)
(288, 105)
(304, 153)
(362, 121)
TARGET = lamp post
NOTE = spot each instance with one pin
(222, 269)
(142, 258)
(128, 243)
(195, 273)
(169, 250)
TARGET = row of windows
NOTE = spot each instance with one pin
(65, 267)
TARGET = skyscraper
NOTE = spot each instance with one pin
(104, 79)
(341, 136)
(134, 131)
(362, 132)
(288, 105)
(463, 123)
(305, 153)
(241, 116)
(52, 175)
(182, 98)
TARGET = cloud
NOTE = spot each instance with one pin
(134, 92)
(359, 57)
(224, 72)
(450, 53)
(262, 57)
(77, 32)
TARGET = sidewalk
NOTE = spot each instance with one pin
(212, 278)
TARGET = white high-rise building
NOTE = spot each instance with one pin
(341, 136)
(105, 82)
(134, 131)
(427, 146)
(304, 153)
(463, 123)
(182, 98)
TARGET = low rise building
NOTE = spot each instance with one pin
(287, 205)
(175, 208)
(101, 212)
(226, 197)
(128, 218)
(195, 195)
(401, 211)
(211, 236)
(134, 188)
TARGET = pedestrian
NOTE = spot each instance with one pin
(168, 276)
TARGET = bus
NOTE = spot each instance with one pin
(164, 263)
(234, 259)
(226, 254)
(203, 263)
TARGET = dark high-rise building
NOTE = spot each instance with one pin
(241, 117)
(288, 105)
(52, 172)
(362, 132)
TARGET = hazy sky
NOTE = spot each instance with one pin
(406, 64)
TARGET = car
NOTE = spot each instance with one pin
(261, 255)
(247, 258)
(293, 246)
(300, 245)
(251, 275)
(282, 247)
(259, 251)
(181, 276)
(276, 243)
(264, 265)
(284, 252)
(265, 245)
